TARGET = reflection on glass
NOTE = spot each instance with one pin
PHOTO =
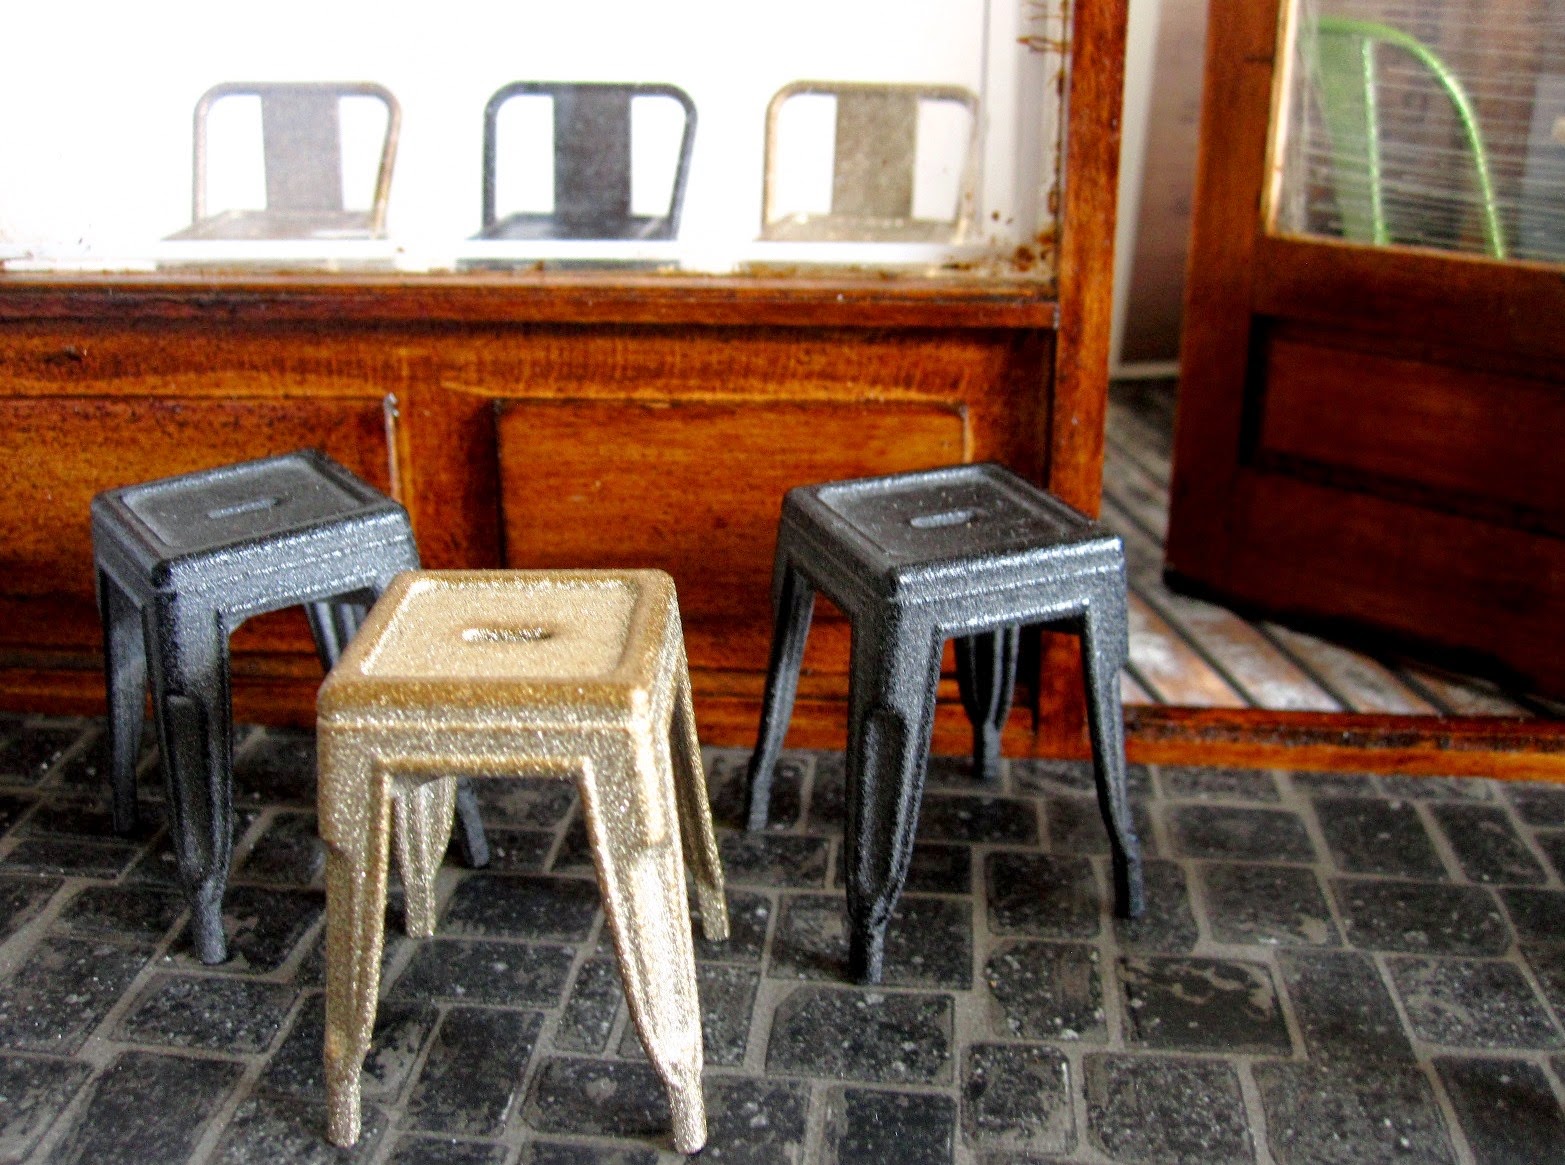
(923, 136)
(1419, 123)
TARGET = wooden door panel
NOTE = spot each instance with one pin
(695, 489)
(66, 449)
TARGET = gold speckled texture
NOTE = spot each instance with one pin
(578, 673)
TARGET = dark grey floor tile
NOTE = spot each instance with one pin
(146, 1108)
(1210, 783)
(1042, 895)
(526, 802)
(1017, 1096)
(772, 860)
(1168, 926)
(929, 942)
(135, 912)
(575, 853)
(561, 1153)
(1506, 1108)
(755, 1122)
(519, 851)
(1344, 1009)
(1045, 991)
(1548, 963)
(1076, 826)
(590, 1010)
(1240, 834)
(70, 857)
(598, 1098)
(296, 1068)
(269, 1129)
(1202, 1005)
(1420, 917)
(971, 817)
(1538, 803)
(63, 989)
(748, 916)
(1334, 784)
(727, 781)
(935, 868)
(871, 1127)
(276, 767)
(1348, 1115)
(22, 897)
(1537, 915)
(843, 1034)
(1552, 843)
(263, 926)
(473, 1072)
(33, 1092)
(1038, 775)
(727, 1000)
(85, 820)
(1472, 1003)
(464, 971)
(1157, 1110)
(955, 772)
(12, 808)
(1371, 836)
(1269, 905)
(1437, 788)
(86, 769)
(218, 1013)
(28, 754)
(289, 853)
(526, 906)
(1486, 844)
(411, 1150)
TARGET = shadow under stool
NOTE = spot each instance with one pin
(577, 674)
(971, 552)
(181, 562)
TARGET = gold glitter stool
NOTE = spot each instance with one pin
(581, 674)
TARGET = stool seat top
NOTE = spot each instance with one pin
(961, 515)
(213, 509)
(445, 642)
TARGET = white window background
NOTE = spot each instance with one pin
(97, 101)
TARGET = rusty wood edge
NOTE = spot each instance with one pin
(574, 298)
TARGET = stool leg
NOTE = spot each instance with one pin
(422, 815)
(1104, 652)
(189, 656)
(332, 623)
(355, 823)
(125, 675)
(695, 811)
(633, 827)
(986, 675)
(891, 699)
(793, 602)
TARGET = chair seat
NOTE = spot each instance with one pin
(540, 227)
(261, 225)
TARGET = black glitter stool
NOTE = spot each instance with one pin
(973, 552)
(183, 561)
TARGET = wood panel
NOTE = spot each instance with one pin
(695, 489)
(1457, 436)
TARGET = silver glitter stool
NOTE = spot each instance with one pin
(971, 552)
(182, 562)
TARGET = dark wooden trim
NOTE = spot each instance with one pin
(548, 297)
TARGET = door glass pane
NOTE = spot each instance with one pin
(1425, 123)
(695, 135)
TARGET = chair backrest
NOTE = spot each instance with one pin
(875, 151)
(302, 143)
(592, 159)
(1347, 77)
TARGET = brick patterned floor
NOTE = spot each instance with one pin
(1334, 968)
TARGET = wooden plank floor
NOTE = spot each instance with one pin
(1189, 653)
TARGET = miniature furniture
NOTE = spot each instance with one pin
(578, 673)
(1348, 79)
(301, 139)
(592, 164)
(912, 559)
(874, 157)
(183, 561)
